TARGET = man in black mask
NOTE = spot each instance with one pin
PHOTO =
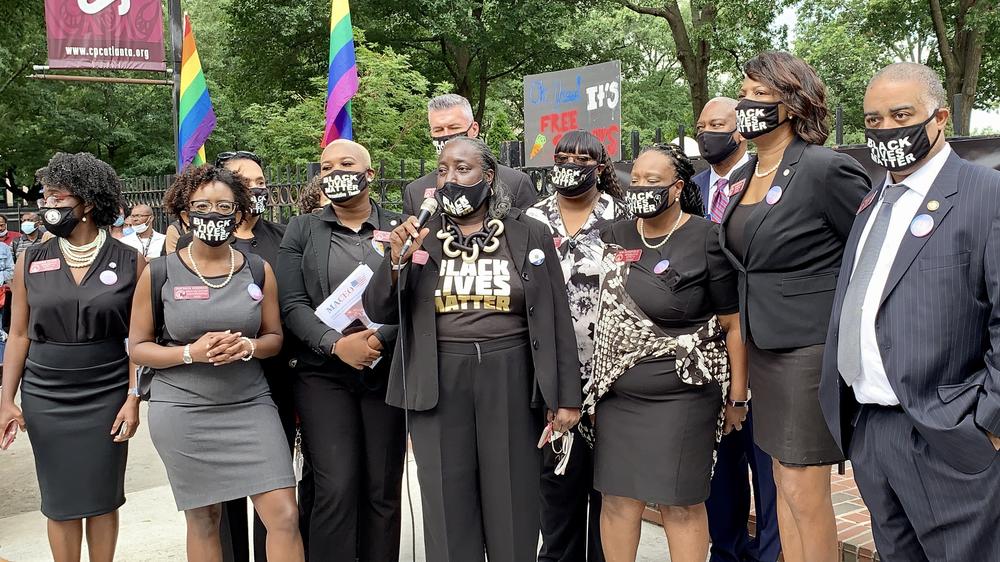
(911, 385)
(724, 149)
(728, 506)
(451, 116)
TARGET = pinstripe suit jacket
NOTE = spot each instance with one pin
(938, 325)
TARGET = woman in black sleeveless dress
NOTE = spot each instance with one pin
(72, 304)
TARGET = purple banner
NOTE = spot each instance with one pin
(114, 34)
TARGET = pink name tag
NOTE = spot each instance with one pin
(191, 293)
(45, 265)
(429, 192)
(381, 236)
(557, 241)
(420, 257)
(626, 256)
(737, 187)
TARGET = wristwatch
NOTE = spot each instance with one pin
(187, 355)
(739, 403)
(134, 392)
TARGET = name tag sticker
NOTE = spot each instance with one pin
(737, 187)
(45, 265)
(381, 236)
(557, 241)
(626, 256)
(420, 257)
(429, 192)
(195, 293)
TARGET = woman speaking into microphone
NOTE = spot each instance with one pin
(485, 337)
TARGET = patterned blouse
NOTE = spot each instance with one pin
(580, 256)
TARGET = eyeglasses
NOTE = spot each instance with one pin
(224, 157)
(205, 206)
(53, 200)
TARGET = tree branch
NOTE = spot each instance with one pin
(659, 12)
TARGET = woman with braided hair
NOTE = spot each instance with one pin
(667, 356)
(485, 338)
(587, 199)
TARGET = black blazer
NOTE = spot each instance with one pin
(521, 189)
(794, 247)
(550, 328)
(938, 326)
(303, 284)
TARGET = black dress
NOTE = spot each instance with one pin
(76, 377)
(656, 433)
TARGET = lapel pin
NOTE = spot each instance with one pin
(112, 265)
(921, 225)
(773, 195)
(661, 266)
(536, 257)
(867, 201)
(933, 205)
(786, 172)
(109, 277)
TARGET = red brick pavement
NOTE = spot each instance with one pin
(853, 519)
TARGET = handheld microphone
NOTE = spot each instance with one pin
(427, 210)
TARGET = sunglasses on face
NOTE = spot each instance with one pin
(224, 157)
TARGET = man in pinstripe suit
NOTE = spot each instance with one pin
(911, 376)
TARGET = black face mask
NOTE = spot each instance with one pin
(716, 146)
(60, 221)
(457, 200)
(756, 118)
(258, 199)
(648, 202)
(439, 142)
(214, 229)
(573, 180)
(900, 148)
(342, 185)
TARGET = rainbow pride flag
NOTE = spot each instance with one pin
(343, 78)
(195, 113)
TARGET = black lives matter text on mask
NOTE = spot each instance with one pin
(458, 207)
(894, 154)
(751, 120)
(482, 285)
(211, 230)
(565, 177)
(644, 202)
(342, 185)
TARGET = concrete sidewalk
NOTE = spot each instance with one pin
(152, 529)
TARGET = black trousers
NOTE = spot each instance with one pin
(922, 508)
(476, 454)
(355, 444)
(729, 503)
(233, 525)
(570, 531)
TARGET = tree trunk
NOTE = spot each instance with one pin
(693, 56)
(961, 58)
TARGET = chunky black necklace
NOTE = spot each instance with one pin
(456, 244)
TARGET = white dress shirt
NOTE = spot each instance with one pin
(713, 181)
(151, 247)
(872, 386)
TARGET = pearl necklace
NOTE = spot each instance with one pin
(642, 234)
(232, 268)
(82, 256)
(756, 169)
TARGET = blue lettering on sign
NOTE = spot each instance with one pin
(537, 93)
(570, 96)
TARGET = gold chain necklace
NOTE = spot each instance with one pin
(232, 268)
(642, 235)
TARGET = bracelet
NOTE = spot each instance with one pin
(253, 349)
(398, 267)
(134, 391)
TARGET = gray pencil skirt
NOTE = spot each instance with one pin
(787, 421)
(219, 453)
